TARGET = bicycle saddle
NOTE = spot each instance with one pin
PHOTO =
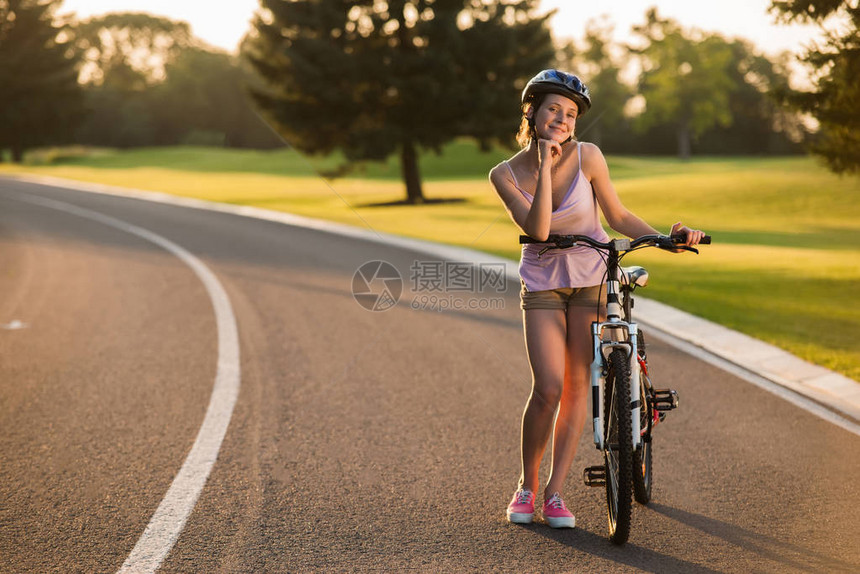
(635, 275)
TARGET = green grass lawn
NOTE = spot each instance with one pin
(784, 266)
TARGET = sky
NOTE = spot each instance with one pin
(223, 24)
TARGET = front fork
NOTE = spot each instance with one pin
(601, 350)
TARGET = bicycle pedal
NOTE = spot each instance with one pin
(594, 476)
(665, 400)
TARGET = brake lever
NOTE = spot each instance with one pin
(669, 245)
(558, 244)
(677, 248)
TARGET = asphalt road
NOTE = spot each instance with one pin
(360, 441)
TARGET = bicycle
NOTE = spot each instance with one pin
(624, 414)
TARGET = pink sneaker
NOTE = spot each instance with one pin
(555, 513)
(521, 510)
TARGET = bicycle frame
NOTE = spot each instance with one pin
(623, 333)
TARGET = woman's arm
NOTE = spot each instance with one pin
(533, 220)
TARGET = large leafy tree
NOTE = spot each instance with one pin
(40, 100)
(835, 101)
(373, 78)
(129, 50)
(204, 100)
(123, 56)
(150, 81)
(762, 123)
(685, 80)
(605, 124)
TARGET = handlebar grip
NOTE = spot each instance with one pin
(681, 238)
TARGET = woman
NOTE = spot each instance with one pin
(555, 185)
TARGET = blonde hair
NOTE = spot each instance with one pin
(526, 131)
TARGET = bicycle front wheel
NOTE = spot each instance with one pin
(618, 449)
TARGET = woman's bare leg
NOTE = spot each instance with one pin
(545, 334)
(574, 397)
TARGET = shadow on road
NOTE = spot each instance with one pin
(780, 551)
(787, 555)
(630, 554)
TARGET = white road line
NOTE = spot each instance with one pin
(169, 519)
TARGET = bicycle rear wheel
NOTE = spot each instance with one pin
(618, 448)
(642, 461)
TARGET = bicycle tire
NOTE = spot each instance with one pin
(618, 448)
(643, 457)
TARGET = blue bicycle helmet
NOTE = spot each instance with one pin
(561, 83)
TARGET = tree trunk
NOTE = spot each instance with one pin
(684, 144)
(17, 154)
(411, 173)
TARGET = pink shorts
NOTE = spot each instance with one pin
(563, 297)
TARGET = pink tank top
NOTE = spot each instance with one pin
(575, 267)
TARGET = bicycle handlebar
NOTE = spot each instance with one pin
(661, 241)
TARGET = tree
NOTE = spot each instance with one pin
(129, 50)
(40, 100)
(149, 81)
(762, 123)
(374, 78)
(684, 80)
(605, 123)
(122, 56)
(836, 98)
(204, 100)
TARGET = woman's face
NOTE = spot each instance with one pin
(556, 118)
